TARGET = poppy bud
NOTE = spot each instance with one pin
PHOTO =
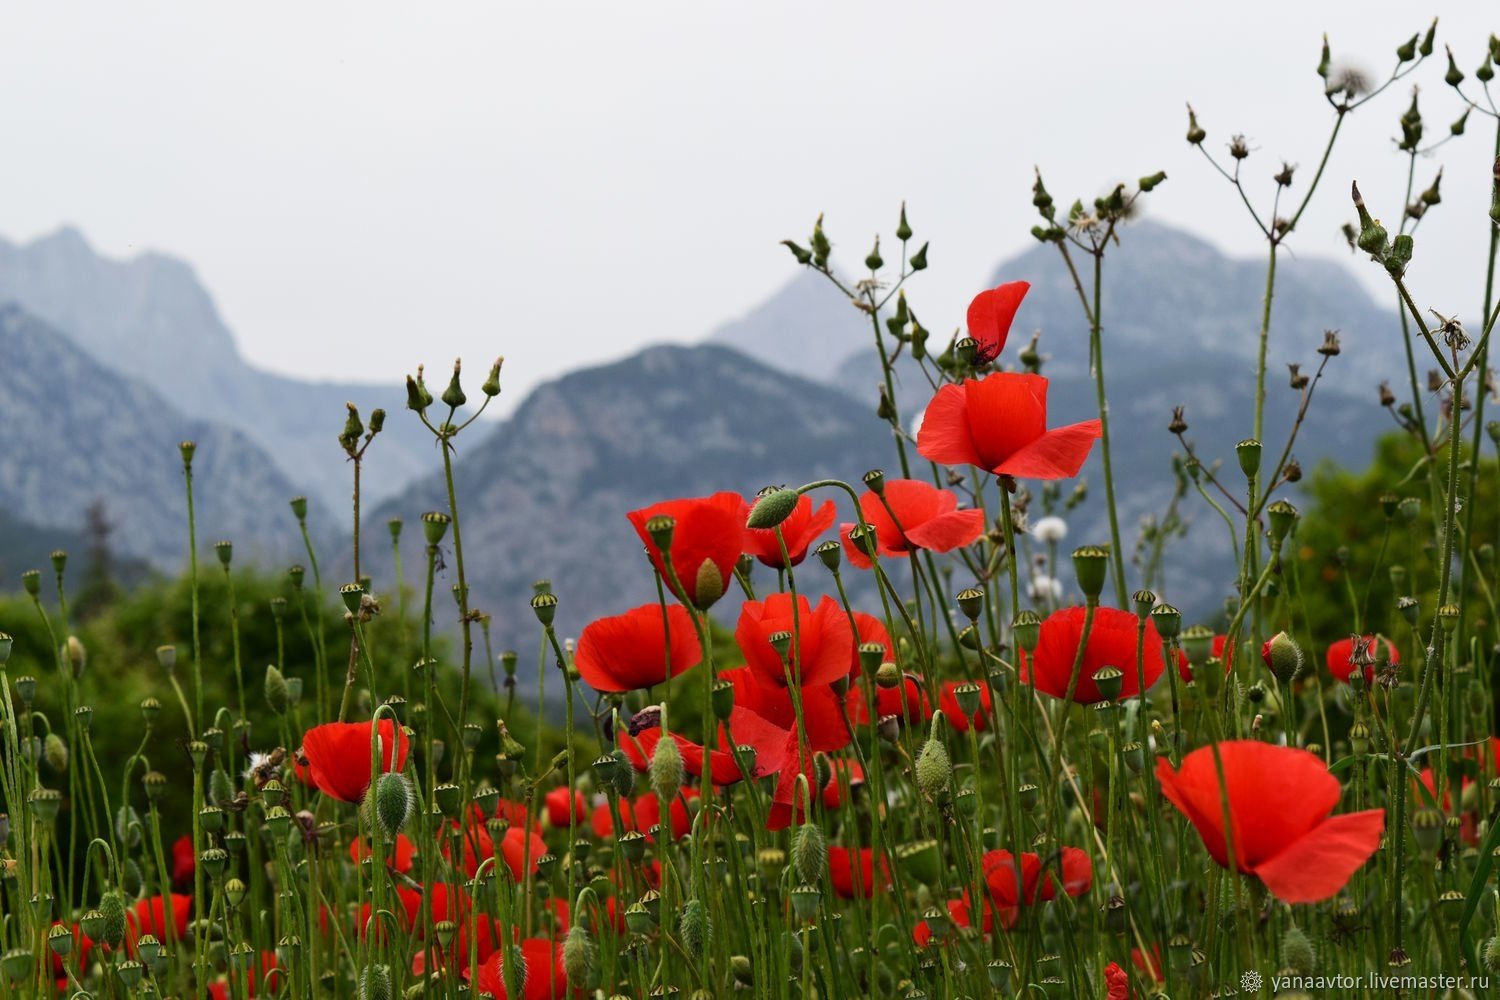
(1090, 565)
(810, 853)
(873, 260)
(666, 768)
(1407, 51)
(918, 261)
(111, 929)
(545, 607)
(1027, 630)
(1283, 656)
(394, 801)
(772, 507)
(934, 768)
(578, 955)
(375, 983)
(55, 752)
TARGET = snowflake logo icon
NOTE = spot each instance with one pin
(1251, 982)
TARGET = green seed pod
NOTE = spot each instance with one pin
(1027, 630)
(1282, 516)
(1248, 452)
(1091, 566)
(1427, 829)
(805, 901)
(1110, 680)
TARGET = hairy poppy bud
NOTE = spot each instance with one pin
(276, 691)
(772, 507)
(375, 983)
(1283, 656)
(55, 752)
(111, 929)
(810, 853)
(578, 955)
(666, 769)
(934, 768)
(394, 801)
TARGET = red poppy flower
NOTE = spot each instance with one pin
(800, 529)
(443, 901)
(514, 813)
(184, 863)
(638, 649)
(926, 518)
(1280, 799)
(518, 848)
(781, 750)
(842, 770)
(706, 543)
(1111, 643)
(825, 728)
(954, 715)
(822, 647)
(1185, 669)
(906, 701)
(602, 822)
(148, 917)
(398, 856)
(1012, 885)
(338, 756)
(1117, 980)
(647, 810)
(556, 803)
(544, 976)
(959, 914)
(990, 316)
(852, 872)
(999, 424)
(1341, 656)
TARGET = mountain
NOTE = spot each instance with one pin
(149, 317)
(545, 494)
(1181, 321)
(828, 328)
(77, 432)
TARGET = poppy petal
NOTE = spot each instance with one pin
(1057, 454)
(944, 436)
(992, 312)
(949, 531)
(1319, 864)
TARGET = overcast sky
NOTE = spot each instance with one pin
(364, 186)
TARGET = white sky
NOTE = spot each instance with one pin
(366, 186)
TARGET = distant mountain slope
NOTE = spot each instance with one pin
(1180, 328)
(150, 318)
(546, 493)
(75, 431)
(805, 327)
